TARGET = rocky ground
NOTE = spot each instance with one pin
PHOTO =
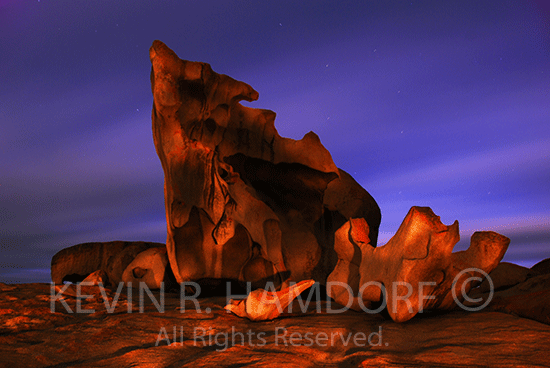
(36, 332)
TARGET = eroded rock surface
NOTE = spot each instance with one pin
(529, 298)
(416, 268)
(32, 336)
(242, 202)
(262, 305)
(111, 259)
(98, 277)
(149, 266)
(504, 276)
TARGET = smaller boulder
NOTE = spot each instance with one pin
(504, 276)
(96, 278)
(263, 305)
(529, 299)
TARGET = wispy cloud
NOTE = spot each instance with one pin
(484, 164)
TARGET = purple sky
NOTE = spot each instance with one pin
(443, 104)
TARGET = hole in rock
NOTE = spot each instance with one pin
(73, 278)
(223, 173)
(139, 272)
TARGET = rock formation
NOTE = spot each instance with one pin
(416, 269)
(261, 305)
(242, 202)
(117, 261)
(504, 276)
(519, 291)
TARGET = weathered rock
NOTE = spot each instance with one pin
(261, 305)
(416, 268)
(505, 275)
(96, 278)
(541, 268)
(242, 202)
(149, 267)
(529, 299)
(32, 336)
(75, 263)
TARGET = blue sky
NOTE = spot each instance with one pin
(428, 103)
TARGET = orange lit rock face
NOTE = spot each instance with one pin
(261, 305)
(416, 267)
(242, 202)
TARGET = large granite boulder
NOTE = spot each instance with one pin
(242, 202)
